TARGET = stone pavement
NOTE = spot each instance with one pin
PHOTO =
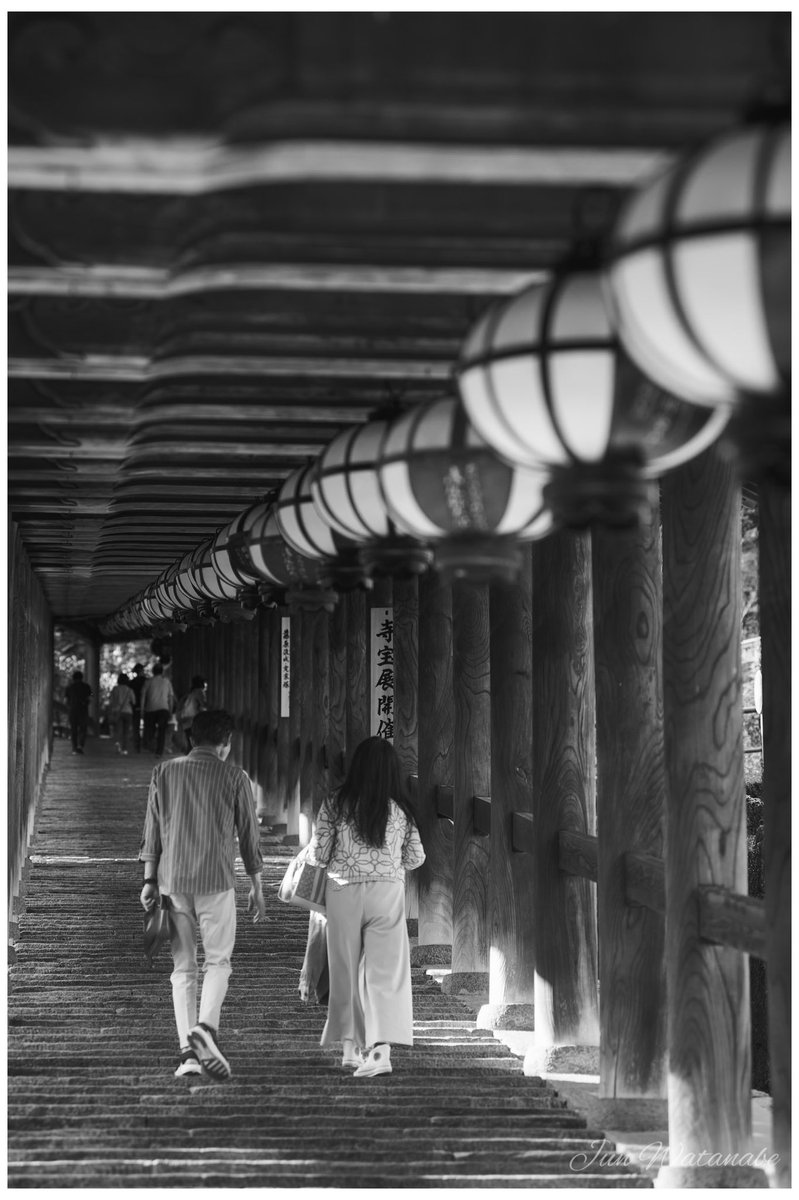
(92, 1098)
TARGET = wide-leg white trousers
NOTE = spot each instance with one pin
(370, 964)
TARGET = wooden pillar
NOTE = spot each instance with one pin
(337, 716)
(294, 722)
(564, 799)
(406, 702)
(471, 687)
(775, 628)
(435, 771)
(357, 699)
(511, 916)
(314, 711)
(628, 639)
(709, 1081)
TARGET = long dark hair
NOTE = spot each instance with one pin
(373, 780)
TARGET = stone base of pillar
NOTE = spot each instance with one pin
(506, 1016)
(290, 839)
(413, 926)
(562, 1060)
(711, 1177)
(432, 955)
(643, 1113)
(464, 981)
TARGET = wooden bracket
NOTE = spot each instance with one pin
(521, 837)
(644, 881)
(577, 853)
(481, 815)
(445, 802)
(730, 919)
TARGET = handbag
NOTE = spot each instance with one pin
(303, 884)
(157, 928)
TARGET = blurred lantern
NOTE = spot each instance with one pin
(283, 573)
(699, 278)
(445, 486)
(545, 382)
(348, 495)
(309, 535)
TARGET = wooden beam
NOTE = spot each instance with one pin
(577, 854)
(199, 166)
(729, 919)
(124, 281)
(644, 881)
(140, 369)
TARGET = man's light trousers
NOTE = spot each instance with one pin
(215, 915)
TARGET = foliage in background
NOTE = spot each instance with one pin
(122, 656)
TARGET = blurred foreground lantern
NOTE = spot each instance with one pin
(309, 535)
(348, 495)
(445, 486)
(699, 278)
(543, 379)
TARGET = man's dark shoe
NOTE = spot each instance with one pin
(203, 1041)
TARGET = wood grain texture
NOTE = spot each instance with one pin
(357, 699)
(314, 708)
(707, 986)
(645, 881)
(732, 920)
(578, 854)
(435, 759)
(337, 714)
(564, 789)
(775, 625)
(471, 688)
(628, 639)
(511, 915)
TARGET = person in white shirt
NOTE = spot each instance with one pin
(157, 702)
(366, 836)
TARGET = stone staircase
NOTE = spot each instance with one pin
(92, 1098)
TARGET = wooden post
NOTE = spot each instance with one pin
(357, 672)
(628, 626)
(292, 835)
(435, 769)
(471, 686)
(314, 707)
(709, 1081)
(406, 702)
(564, 798)
(337, 716)
(511, 916)
(775, 628)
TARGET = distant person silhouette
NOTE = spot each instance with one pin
(77, 696)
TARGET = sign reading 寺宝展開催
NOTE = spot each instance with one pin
(381, 721)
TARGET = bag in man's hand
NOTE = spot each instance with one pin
(303, 884)
(157, 928)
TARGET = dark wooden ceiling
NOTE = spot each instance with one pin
(232, 235)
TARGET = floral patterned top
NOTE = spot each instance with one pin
(353, 861)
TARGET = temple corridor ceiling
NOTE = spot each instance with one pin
(233, 235)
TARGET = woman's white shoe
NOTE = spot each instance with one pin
(351, 1055)
(377, 1062)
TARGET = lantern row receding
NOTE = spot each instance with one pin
(575, 396)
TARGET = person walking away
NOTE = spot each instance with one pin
(195, 806)
(78, 694)
(121, 704)
(157, 701)
(366, 836)
(137, 686)
(192, 703)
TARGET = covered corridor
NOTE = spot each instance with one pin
(424, 376)
(92, 1098)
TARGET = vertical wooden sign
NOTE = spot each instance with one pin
(285, 666)
(381, 648)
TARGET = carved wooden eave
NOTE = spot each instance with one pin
(233, 235)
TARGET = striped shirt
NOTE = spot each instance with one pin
(349, 859)
(195, 808)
